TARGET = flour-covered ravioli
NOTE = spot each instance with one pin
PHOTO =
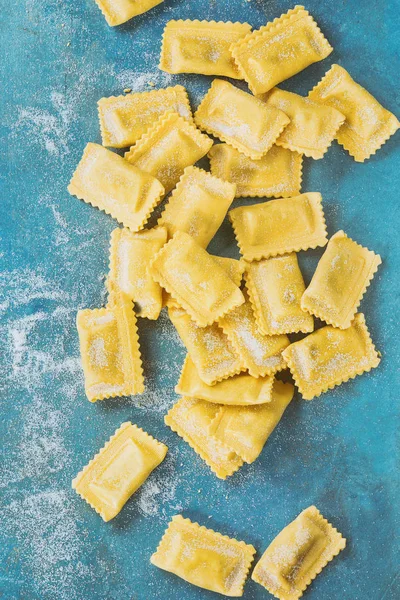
(168, 147)
(108, 182)
(246, 429)
(208, 347)
(279, 226)
(110, 352)
(331, 356)
(367, 126)
(201, 47)
(276, 286)
(297, 554)
(312, 126)
(340, 280)
(195, 280)
(117, 12)
(280, 49)
(119, 469)
(238, 390)
(277, 174)
(261, 354)
(130, 255)
(124, 119)
(240, 119)
(204, 557)
(198, 205)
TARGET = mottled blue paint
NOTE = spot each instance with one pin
(338, 452)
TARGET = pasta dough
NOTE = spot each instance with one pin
(201, 47)
(119, 469)
(117, 12)
(204, 557)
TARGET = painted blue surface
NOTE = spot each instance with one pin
(338, 452)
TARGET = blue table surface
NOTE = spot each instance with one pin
(337, 452)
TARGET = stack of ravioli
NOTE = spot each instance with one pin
(233, 316)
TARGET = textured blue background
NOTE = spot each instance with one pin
(338, 452)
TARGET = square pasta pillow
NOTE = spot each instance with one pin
(124, 119)
(204, 557)
(119, 469)
(117, 12)
(167, 148)
(367, 126)
(240, 119)
(201, 47)
(277, 174)
(280, 49)
(108, 182)
(312, 126)
(297, 554)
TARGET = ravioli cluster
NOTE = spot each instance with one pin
(233, 316)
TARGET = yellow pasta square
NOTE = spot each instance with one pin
(368, 125)
(204, 557)
(279, 226)
(130, 255)
(168, 147)
(277, 174)
(198, 205)
(190, 419)
(117, 12)
(208, 347)
(261, 354)
(239, 390)
(340, 280)
(280, 49)
(246, 429)
(108, 182)
(110, 350)
(119, 469)
(312, 126)
(201, 47)
(195, 280)
(276, 286)
(240, 119)
(298, 553)
(124, 119)
(331, 356)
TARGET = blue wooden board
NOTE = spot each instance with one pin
(338, 452)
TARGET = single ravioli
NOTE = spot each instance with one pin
(331, 356)
(208, 347)
(280, 49)
(297, 555)
(279, 226)
(110, 351)
(340, 281)
(124, 119)
(246, 429)
(204, 557)
(240, 119)
(119, 469)
(368, 125)
(239, 390)
(108, 182)
(190, 419)
(195, 280)
(198, 205)
(168, 147)
(277, 174)
(276, 286)
(201, 47)
(117, 12)
(130, 255)
(312, 126)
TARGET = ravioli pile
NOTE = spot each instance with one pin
(233, 316)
